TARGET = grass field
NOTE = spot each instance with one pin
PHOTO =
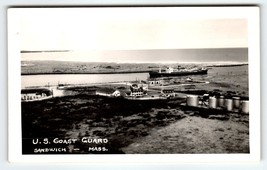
(132, 126)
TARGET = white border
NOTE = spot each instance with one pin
(14, 117)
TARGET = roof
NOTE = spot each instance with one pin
(168, 89)
(106, 90)
(41, 90)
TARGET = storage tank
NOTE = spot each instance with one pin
(192, 100)
(229, 104)
(212, 102)
(221, 101)
(236, 102)
(245, 106)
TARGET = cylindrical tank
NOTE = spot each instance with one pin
(192, 100)
(229, 104)
(212, 102)
(245, 106)
(221, 101)
(236, 102)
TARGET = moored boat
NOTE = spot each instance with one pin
(170, 72)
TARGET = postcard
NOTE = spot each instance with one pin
(134, 84)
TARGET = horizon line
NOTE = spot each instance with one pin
(165, 62)
(44, 51)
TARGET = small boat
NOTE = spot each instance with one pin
(171, 72)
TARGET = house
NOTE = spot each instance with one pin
(189, 79)
(116, 93)
(108, 92)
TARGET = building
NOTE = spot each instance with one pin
(136, 90)
(108, 92)
(35, 94)
(155, 82)
(168, 92)
(189, 79)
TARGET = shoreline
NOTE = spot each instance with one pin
(228, 65)
(119, 72)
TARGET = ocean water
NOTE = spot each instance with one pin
(78, 79)
(145, 56)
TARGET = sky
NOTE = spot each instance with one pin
(118, 29)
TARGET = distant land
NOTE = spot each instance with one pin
(68, 67)
(45, 51)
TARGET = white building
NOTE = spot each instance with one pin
(35, 94)
(108, 93)
(168, 92)
(136, 90)
(155, 82)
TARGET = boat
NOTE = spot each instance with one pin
(171, 72)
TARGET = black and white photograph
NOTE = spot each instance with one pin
(135, 81)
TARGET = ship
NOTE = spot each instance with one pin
(171, 72)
